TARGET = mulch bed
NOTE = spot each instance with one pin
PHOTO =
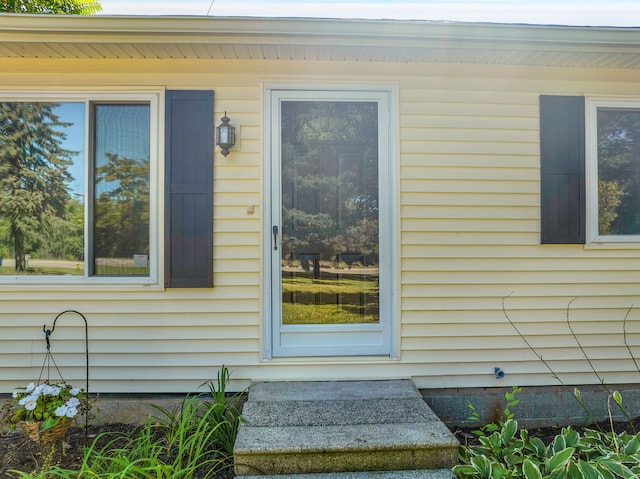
(547, 434)
(17, 452)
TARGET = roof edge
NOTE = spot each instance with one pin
(69, 28)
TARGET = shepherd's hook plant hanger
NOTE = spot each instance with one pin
(48, 358)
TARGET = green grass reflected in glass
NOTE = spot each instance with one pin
(42, 271)
(74, 271)
(353, 300)
(323, 314)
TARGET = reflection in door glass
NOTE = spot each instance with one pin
(330, 272)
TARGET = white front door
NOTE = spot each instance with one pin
(329, 244)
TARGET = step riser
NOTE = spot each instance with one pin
(386, 460)
(333, 427)
(413, 474)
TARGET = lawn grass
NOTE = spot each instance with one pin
(340, 300)
(325, 314)
(41, 271)
(105, 270)
(301, 284)
(123, 270)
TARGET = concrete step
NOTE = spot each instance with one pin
(422, 474)
(340, 426)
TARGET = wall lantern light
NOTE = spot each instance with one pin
(225, 135)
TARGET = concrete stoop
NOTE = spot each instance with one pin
(342, 430)
(421, 474)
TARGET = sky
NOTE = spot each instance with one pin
(547, 12)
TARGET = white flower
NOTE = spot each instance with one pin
(15, 394)
(71, 412)
(73, 402)
(74, 391)
(31, 405)
(30, 387)
(48, 390)
(61, 410)
(25, 400)
(54, 390)
(38, 390)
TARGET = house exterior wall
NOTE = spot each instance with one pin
(468, 225)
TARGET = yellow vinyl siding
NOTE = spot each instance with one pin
(470, 212)
(469, 219)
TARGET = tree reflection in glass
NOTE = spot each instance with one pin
(329, 212)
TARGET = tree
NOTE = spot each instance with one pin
(33, 171)
(122, 208)
(618, 172)
(329, 178)
(609, 199)
(68, 7)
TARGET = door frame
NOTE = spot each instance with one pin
(385, 95)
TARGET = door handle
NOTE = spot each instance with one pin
(275, 236)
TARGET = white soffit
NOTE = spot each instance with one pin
(102, 37)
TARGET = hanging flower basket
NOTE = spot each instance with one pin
(34, 431)
(46, 411)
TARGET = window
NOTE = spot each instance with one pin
(78, 178)
(614, 171)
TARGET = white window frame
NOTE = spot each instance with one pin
(155, 99)
(591, 171)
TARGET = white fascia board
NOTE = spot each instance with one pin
(230, 30)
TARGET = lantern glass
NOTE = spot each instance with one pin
(225, 135)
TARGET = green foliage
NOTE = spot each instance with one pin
(225, 412)
(73, 7)
(329, 177)
(33, 171)
(503, 454)
(619, 183)
(343, 285)
(597, 454)
(296, 313)
(505, 415)
(507, 452)
(48, 404)
(122, 208)
(194, 440)
(609, 198)
(61, 238)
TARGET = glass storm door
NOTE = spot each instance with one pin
(329, 282)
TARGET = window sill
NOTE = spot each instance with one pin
(20, 283)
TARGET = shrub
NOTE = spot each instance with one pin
(507, 454)
(195, 440)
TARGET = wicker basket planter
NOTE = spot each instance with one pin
(33, 431)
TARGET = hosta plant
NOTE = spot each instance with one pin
(510, 452)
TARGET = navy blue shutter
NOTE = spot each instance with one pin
(562, 168)
(189, 131)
